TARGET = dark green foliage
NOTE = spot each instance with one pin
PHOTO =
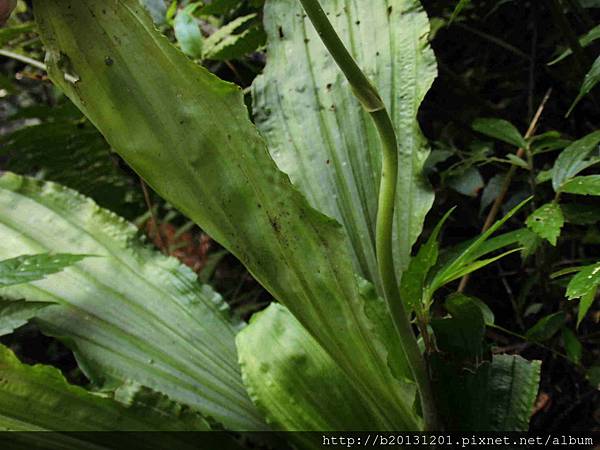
(496, 61)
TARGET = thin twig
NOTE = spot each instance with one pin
(493, 39)
(155, 224)
(538, 344)
(34, 63)
(491, 217)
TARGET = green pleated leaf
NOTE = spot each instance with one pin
(38, 398)
(26, 268)
(586, 185)
(188, 134)
(500, 129)
(547, 221)
(497, 396)
(318, 133)
(574, 159)
(294, 382)
(128, 313)
(14, 314)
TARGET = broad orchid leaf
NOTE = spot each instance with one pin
(547, 221)
(38, 398)
(129, 313)
(317, 131)
(26, 268)
(294, 382)
(572, 160)
(188, 134)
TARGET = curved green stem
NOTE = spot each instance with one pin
(371, 101)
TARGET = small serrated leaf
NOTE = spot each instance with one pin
(571, 160)
(500, 129)
(586, 280)
(547, 221)
(586, 185)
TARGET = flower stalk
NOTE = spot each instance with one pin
(372, 102)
